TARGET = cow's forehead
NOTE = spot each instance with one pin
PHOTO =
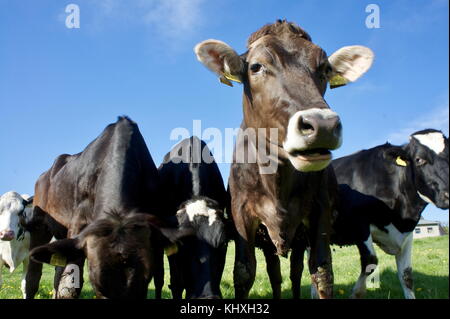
(435, 141)
(10, 203)
(293, 45)
(201, 208)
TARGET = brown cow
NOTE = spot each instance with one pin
(285, 77)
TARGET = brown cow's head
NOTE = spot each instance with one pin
(120, 251)
(285, 76)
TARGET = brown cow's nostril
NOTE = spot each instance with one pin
(304, 126)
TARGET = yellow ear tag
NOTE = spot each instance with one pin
(227, 77)
(225, 81)
(58, 260)
(231, 77)
(337, 80)
(400, 162)
(172, 249)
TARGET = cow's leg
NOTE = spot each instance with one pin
(245, 262)
(56, 279)
(369, 263)
(176, 280)
(404, 268)
(296, 261)
(244, 267)
(320, 266)
(159, 273)
(38, 237)
(71, 280)
(273, 270)
(313, 289)
(69, 283)
(23, 282)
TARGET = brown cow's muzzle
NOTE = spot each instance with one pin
(311, 134)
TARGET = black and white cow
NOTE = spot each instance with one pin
(14, 239)
(383, 191)
(195, 194)
(382, 194)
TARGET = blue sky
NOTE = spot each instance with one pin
(60, 87)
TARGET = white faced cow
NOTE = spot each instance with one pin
(14, 240)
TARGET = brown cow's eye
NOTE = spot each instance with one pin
(256, 67)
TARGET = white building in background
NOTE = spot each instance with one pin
(427, 228)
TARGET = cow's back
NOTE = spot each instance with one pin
(182, 176)
(114, 172)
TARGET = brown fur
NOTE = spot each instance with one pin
(293, 80)
(281, 28)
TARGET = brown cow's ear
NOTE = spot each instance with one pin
(58, 253)
(349, 64)
(220, 58)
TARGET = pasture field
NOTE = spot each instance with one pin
(430, 270)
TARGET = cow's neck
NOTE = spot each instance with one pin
(411, 208)
(407, 206)
(285, 185)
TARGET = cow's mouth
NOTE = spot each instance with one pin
(317, 154)
(311, 160)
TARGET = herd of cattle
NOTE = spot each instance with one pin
(110, 204)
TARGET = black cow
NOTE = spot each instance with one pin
(101, 199)
(382, 193)
(195, 194)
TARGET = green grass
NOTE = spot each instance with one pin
(430, 270)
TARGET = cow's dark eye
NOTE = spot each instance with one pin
(420, 161)
(255, 67)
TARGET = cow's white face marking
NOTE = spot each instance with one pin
(11, 204)
(434, 141)
(425, 198)
(14, 252)
(199, 208)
